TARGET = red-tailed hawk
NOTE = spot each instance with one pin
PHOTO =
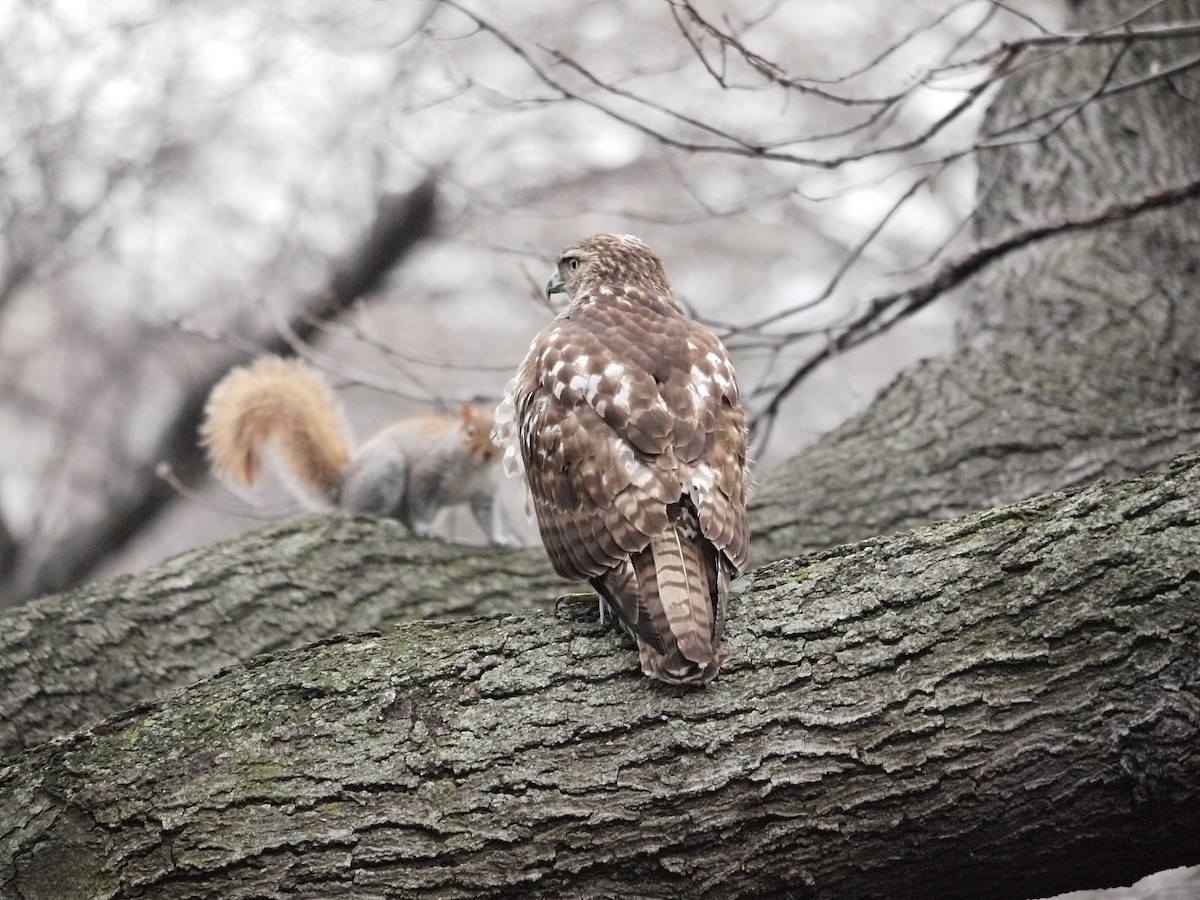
(626, 419)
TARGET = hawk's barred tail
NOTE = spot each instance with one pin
(683, 616)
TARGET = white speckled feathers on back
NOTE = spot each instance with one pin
(626, 419)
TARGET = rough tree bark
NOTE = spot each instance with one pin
(1014, 692)
(70, 660)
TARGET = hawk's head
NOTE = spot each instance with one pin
(607, 259)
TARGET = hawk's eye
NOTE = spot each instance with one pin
(571, 265)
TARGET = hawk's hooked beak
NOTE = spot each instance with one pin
(554, 285)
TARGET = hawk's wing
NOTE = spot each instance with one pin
(622, 409)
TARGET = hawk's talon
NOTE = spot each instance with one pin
(578, 596)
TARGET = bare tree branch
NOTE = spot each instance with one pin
(884, 311)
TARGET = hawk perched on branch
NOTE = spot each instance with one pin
(626, 418)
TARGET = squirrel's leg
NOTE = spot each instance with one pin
(420, 520)
(489, 514)
(376, 482)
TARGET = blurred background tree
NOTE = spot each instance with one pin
(184, 186)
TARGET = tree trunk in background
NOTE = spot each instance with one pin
(1005, 706)
(1079, 355)
(1002, 706)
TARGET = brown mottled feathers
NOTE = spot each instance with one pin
(626, 419)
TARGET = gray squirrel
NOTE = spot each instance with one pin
(408, 471)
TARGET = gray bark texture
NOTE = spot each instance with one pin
(1003, 705)
(70, 660)
(1013, 692)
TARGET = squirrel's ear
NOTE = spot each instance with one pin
(467, 413)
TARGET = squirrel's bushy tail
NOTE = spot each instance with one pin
(283, 403)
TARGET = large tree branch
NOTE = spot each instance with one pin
(70, 660)
(1015, 692)
(954, 436)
